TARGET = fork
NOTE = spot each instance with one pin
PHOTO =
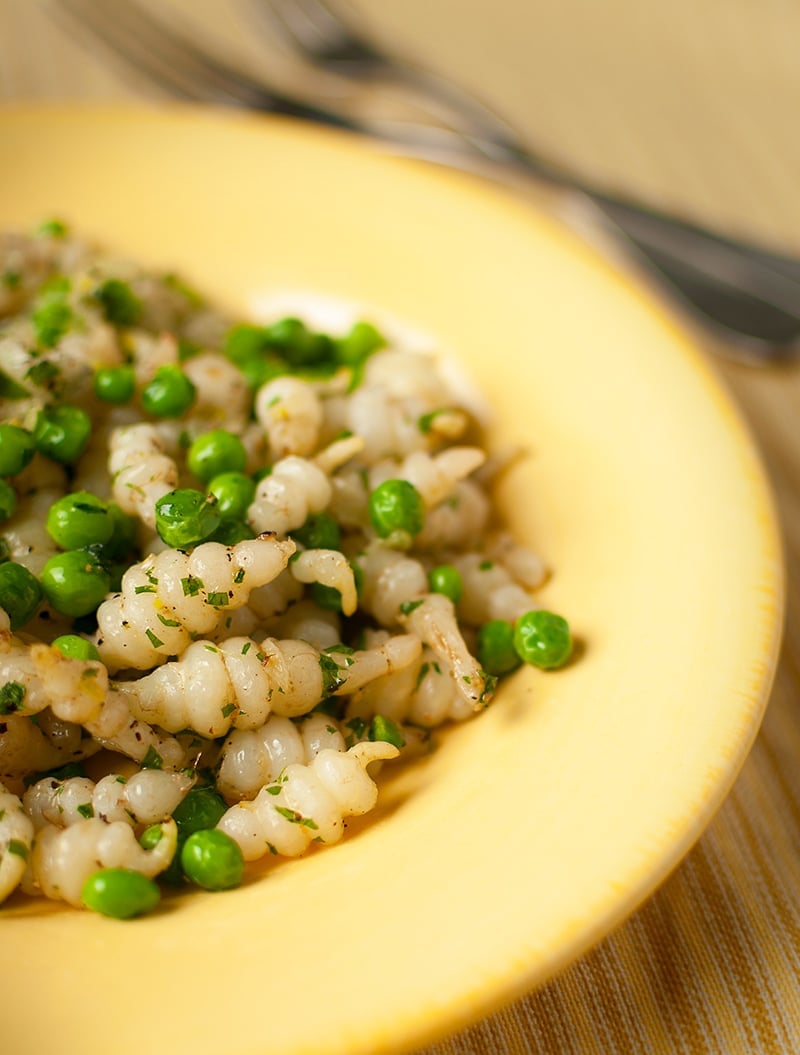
(750, 298)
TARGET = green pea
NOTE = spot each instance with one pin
(215, 452)
(115, 384)
(20, 593)
(496, 653)
(52, 229)
(320, 531)
(52, 315)
(79, 519)
(62, 433)
(151, 836)
(17, 448)
(11, 389)
(74, 647)
(234, 491)
(187, 349)
(259, 370)
(362, 340)
(297, 344)
(120, 304)
(327, 597)
(447, 580)
(232, 531)
(200, 808)
(75, 582)
(8, 500)
(186, 517)
(261, 473)
(123, 537)
(543, 639)
(120, 893)
(169, 393)
(396, 506)
(212, 860)
(245, 343)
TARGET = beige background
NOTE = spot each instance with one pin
(689, 105)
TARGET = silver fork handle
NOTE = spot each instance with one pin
(714, 278)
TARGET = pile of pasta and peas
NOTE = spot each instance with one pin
(239, 564)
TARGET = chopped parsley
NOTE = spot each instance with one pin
(384, 729)
(18, 847)
(152, 759)
(120, 304)
(407, 607)
(155, 641)
(331, 675)
(11, 389)
(297, 818)
(86, 810)
(11, 696)
(192, 586)
(42, 374)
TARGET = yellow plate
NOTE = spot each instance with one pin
(539, 826)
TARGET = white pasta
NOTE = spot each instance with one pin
(141, 472)
(222, 399)
(291, 414)
(253, 758)
(167, 598)
(64, 858)
(16, 838)
(434, 476)
(257, 646)
(146, 798)
(294, 489)
(489, 592)
(329, 568)
(307, 803)
(433, 620)
(422, 694)
(241, 682)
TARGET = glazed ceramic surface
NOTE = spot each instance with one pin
(534, 829)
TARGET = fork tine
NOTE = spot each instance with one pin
(321, 33)
(172, 60)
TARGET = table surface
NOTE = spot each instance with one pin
(711, 963)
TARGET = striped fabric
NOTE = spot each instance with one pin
(711, 964)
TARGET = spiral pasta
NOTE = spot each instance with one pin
(62, 859)
(307, 803)
(167, 598)
(241, 682)
(16, 839)
(141, 471)
(146, 798)
(242, 565)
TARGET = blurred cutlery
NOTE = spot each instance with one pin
(751, 298)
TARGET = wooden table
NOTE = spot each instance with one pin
(711, 964)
